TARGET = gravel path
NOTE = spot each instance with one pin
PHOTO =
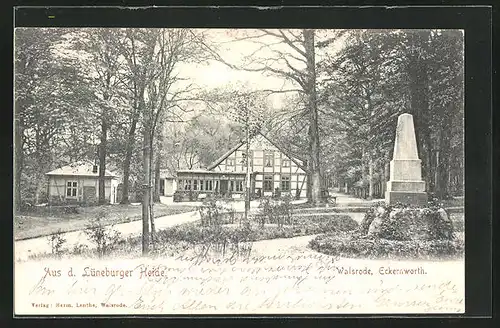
(25, 248)
(296, 245)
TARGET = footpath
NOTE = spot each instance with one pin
(24, 248)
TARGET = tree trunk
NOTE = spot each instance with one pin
(309, 185)
(419, 84)
(443, 165)
(156, 195)
(151, 186)
(102, 161)
(19, 159)
(370, 179)
(314, 144)
(383, 182)
(126, 163)
(146, 192)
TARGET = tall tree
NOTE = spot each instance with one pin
(47, 96)
(199, 141)
(291, 54)
(153, 56)
(101, 47)
(356, 103)
(379, 74)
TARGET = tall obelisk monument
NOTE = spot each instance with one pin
(405, 184)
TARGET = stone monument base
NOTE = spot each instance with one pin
(406, 197)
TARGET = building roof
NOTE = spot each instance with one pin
(226, 155)
(167, 174)
(211, 172)
(80, 169)
(241, 143)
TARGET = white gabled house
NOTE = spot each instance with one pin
(168, 183)
(78, 183)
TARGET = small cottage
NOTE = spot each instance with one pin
(78, 183)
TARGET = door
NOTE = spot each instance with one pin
(162, 187)
(223, 187)
(112, 198)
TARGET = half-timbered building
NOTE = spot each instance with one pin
(273, 171)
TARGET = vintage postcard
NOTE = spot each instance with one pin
(238, 171)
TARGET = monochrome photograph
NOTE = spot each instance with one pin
(255, 171)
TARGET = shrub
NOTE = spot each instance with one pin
(80, 249)
(210, 212)
(56, 242)
(104, 237)
(367, 220)
(188, 232)
(202, 239)
(275, 212)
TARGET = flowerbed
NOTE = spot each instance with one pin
(398, 231)
(353, 246)
(190, 235)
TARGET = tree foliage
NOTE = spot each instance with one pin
(375, 77)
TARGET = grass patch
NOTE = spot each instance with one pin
(46, 221)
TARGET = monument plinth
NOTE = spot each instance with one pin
(405, 183)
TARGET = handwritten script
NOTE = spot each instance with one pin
(309, 283)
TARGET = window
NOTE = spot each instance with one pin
(231, 185)
(268, 159)
(201, 185)
(187, 186)
(181, 185)
(162, 187)
(239, 185)
(285, 162)
(230, 162)
(71, 188)
(268, 183)
(285, 183)
(195, 185)
(208, 185)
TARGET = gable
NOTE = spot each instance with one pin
(260, 143)
(233, 160)
(79, 169)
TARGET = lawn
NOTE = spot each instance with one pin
(46, 221)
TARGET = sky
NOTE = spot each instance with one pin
(233, 50)
(240, 47)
